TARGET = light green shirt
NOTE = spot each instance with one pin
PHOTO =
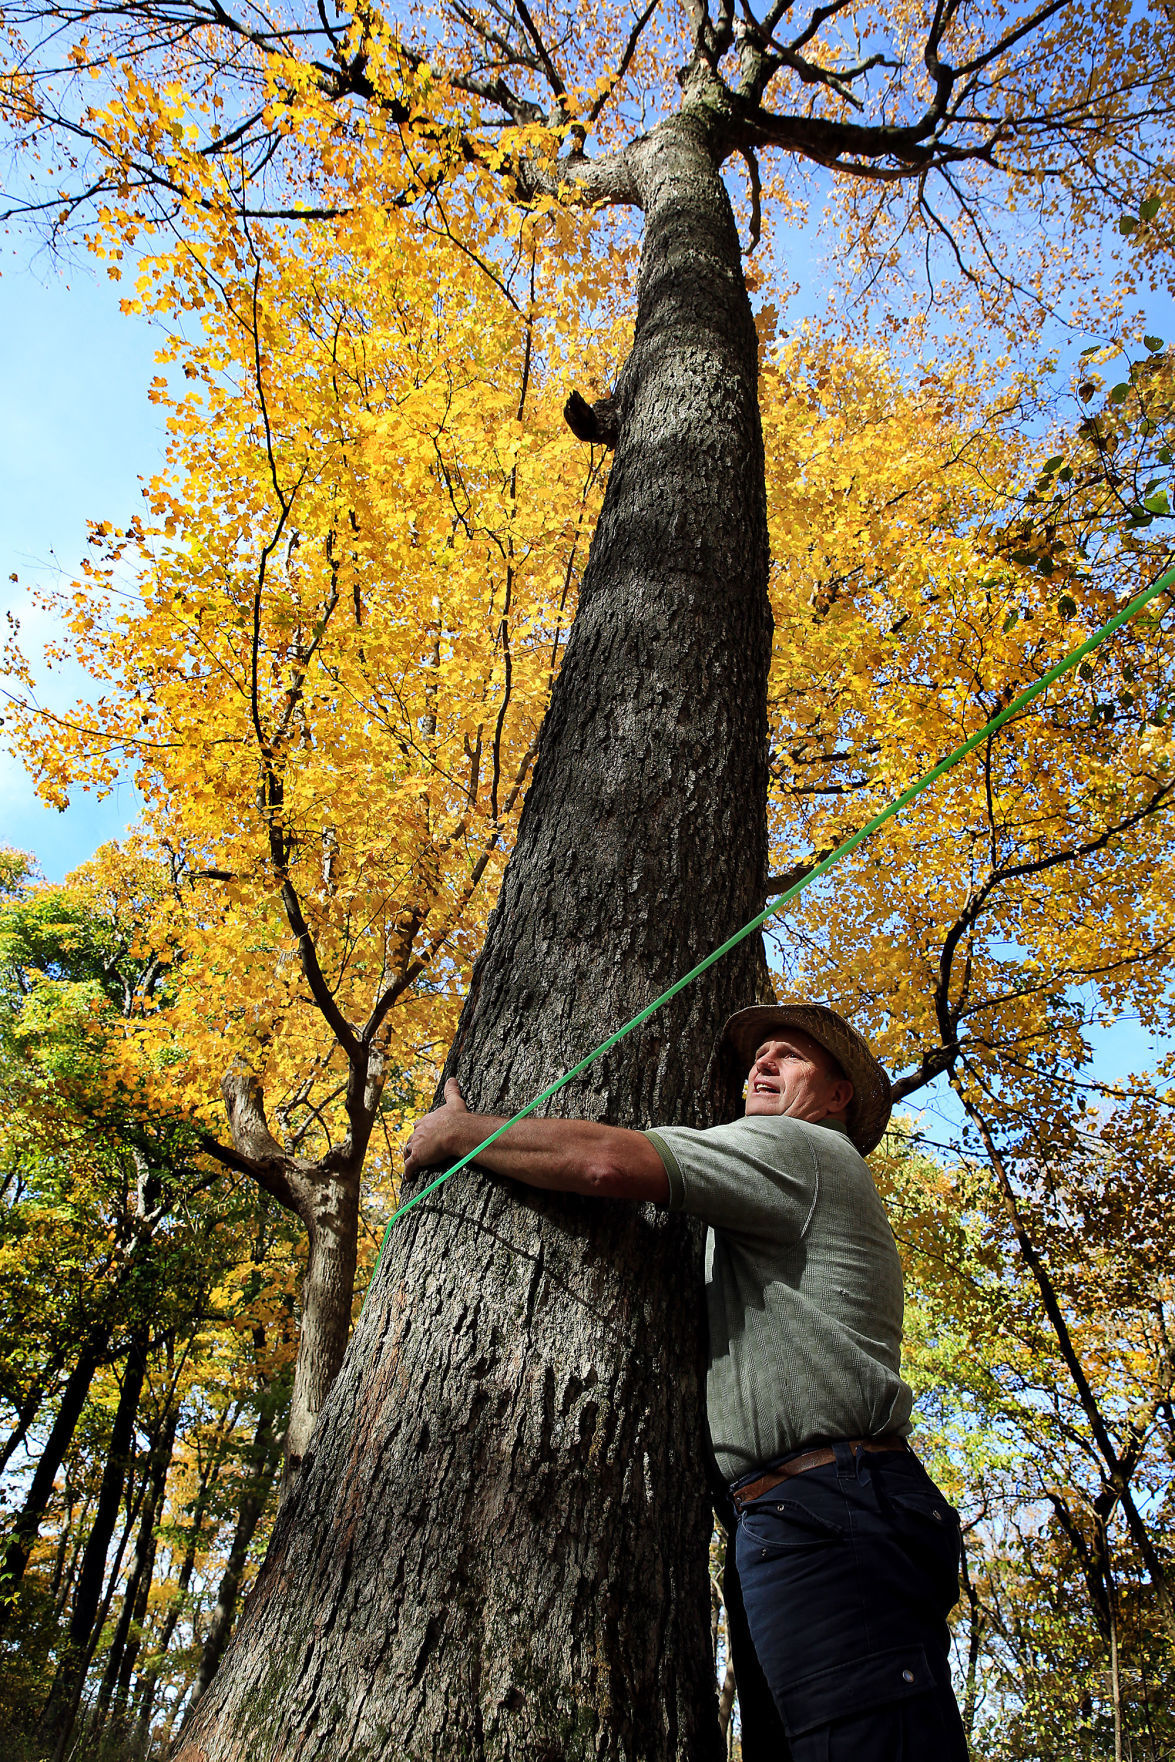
(803, 1286)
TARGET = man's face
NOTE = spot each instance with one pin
(793, 1075)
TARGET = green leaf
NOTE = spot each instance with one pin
(1067, 606)
(1164, 455)
(1127, 225)
(1010, 620)
(1085, 671)
(1153, 343)
(1066, 475)
(1053, 463)
(1148, 209)
(1119, 393)
(1158, 503)
(1091, 349)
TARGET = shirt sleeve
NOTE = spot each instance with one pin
(753, 1178)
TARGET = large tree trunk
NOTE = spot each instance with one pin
(497, 1547)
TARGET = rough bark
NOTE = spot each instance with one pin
(497, 1546)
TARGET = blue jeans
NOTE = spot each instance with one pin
(848, 1573)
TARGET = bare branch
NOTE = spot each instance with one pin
(551, 71)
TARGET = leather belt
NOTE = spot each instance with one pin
(819, 1458)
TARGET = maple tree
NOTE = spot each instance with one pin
(651, 780)
(371, 656)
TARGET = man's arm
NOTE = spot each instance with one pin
(562, 1156)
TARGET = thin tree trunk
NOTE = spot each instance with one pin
(719, 1629)
(974, 1640)
(264, 1455)
(62, 1554)
(1115, 1474)
(80, 1529)
(150, 1679)
(327, 1293)
(497, 1545)
(124, 1647)
(1115, 1661)
(325, 1196)
(23, 1535)
(726, 1702)
(61, 1708)
(66, 1744)
(26, 1413)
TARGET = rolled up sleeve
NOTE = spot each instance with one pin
(757, 1178)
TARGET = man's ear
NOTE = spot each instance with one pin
(842, 1094)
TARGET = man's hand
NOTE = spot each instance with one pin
(437, 1135)
(561, 1156)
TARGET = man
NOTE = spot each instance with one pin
(847, 1554)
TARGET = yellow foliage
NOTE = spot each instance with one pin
(327, 651)
(920, 582)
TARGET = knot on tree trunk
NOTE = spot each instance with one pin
(598, 423)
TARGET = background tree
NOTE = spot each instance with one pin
(381, 518)
(111, 1252)
(1063, 1645)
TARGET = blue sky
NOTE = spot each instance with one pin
(76, 435)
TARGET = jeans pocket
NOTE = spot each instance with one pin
(863, 1685)
(784, 1526)
(929, 1530)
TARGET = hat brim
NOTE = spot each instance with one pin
(868, 1112)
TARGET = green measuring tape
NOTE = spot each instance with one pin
(1163, 585)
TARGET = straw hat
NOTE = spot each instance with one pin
(868, 1112)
